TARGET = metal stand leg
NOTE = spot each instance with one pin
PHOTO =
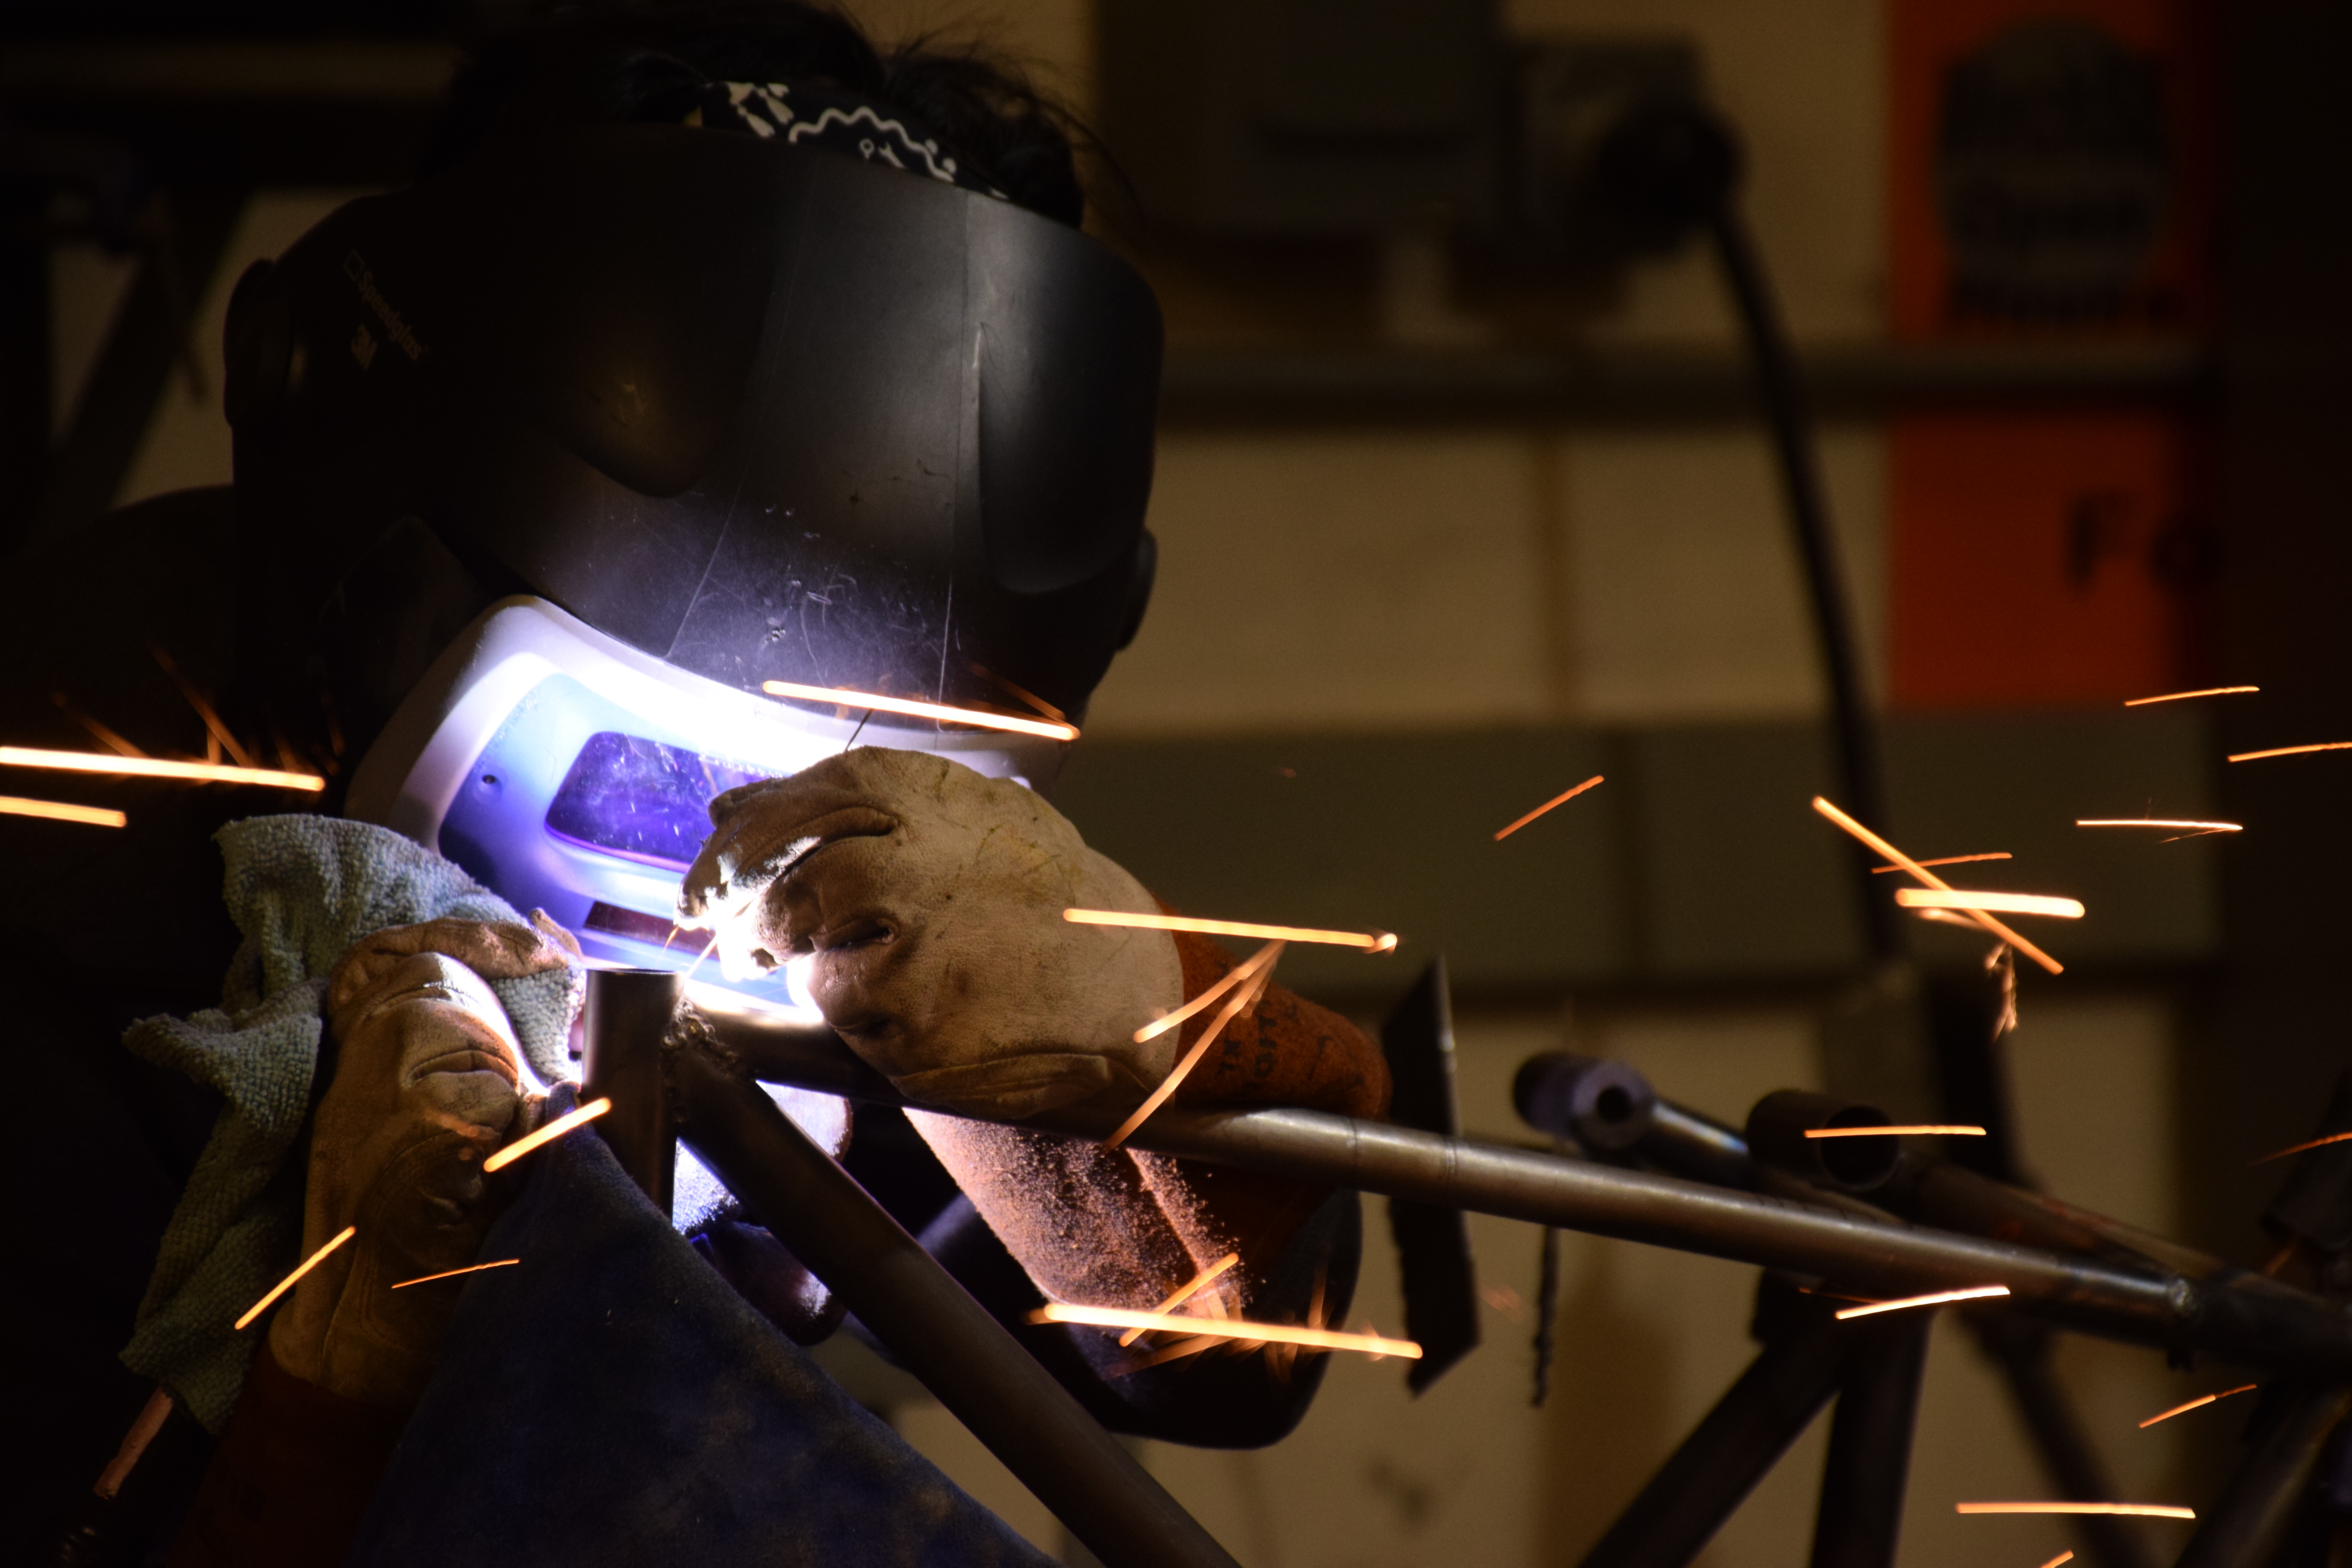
(2022, 1350)
(2257, 1513)
(1727, 1453)
(1861, 1514)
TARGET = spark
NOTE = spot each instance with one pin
(1923, 1131)
(2158, 822)
(2064, 1557)
(1187, 1292)
(288, 1283)
(2292, 750)
(58, 811)
(1208, 998)
(1946, 918)
(2140, 1510)
(1973, 1293)
(1946, 860)
(1931, 879)
(1193, 1346)
(1261, 967)
(1369, 940)
(453, 1273)
(2196, 1404)
(1235, 1329)
(1556, 800)
(546, 1134)
(2299, 1148)
(2181, 696)
(219, 732)
(151, 1419)
(1975, 900)
(980, 717)
(155, 768)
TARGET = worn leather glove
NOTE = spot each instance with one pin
(427, 1083)
(932, 897)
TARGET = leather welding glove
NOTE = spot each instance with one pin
(932, 897)
(427, 1083)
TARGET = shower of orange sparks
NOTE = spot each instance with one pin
(2136, 1509)
(1231, 1329)
(1922, 1132)
(2158, 822)
(1556, 800)
(453, 1273)
(2181, 696)
(1933, 881)
(287, 1284)
(1973, 1293)
(1369, 941)
(1261, 967)
(58, 811)
(978, 717)
(1946, 860)
(155, 768)
(2197, 1403)
(2291, 751)
(1198, 1281)
(546, 1134)
(1975, 899)
(2299, 1148)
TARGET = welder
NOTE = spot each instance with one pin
(715, 347)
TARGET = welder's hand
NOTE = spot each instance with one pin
(932, 898)
(427, 1083)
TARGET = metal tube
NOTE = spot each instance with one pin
(2272, 1327)
(932, 1326)
(1860, 1518)
(2257, 1511)
(1727, 1453)
(628, 1014)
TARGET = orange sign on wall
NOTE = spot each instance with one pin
(2053, 167)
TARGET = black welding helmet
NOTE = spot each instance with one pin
(713, 412)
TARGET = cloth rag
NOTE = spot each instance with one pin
(301, 889)
(647, 1412)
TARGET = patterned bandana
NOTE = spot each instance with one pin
(838, 121)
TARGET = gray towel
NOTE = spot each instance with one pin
(301, 889)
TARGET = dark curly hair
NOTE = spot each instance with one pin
(616, 62)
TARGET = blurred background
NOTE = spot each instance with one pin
(1464, 494)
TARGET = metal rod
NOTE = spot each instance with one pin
(1860, 1518)
(628, 1014)
(2257, 1511)
(2279, 1328)
(934, 1328)
(1727, 1452)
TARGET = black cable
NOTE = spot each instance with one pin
(1782, 395)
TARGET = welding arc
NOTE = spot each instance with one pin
(1946, 860)
(2197, 1403)
(546, 1134)
(1369, 940)
(1226, 1328)
(1973, 1293)
(1933, 881)
(2183, 696)
(58, 811)
(1191, 1289)
(1921, 1131)
(2291, 751)
(981, 718)
(1560, 799)
(2136, 1509)
(287, 1284)
(453, 1273)
(1260, 965)
(1972, 899)
(155, 768)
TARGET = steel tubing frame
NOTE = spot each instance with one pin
(2275, 1327)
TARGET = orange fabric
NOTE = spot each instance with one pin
(1285, 1051)
(296, 1469)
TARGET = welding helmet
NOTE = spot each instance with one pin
(710, 412)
